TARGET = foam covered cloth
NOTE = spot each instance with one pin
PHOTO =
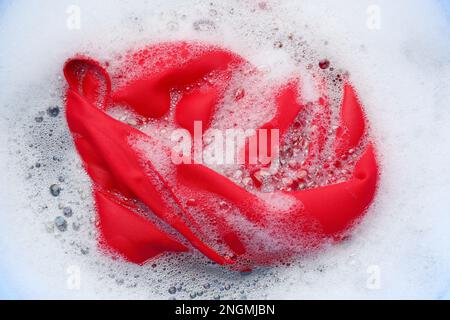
(143, 213)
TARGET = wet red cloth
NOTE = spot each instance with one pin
(123, 181)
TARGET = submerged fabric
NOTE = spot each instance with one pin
(142, 214)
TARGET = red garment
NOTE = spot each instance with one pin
(123, 179)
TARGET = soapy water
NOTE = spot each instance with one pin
(395, 55)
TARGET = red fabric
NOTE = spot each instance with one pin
(123, 182)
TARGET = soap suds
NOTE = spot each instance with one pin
(401, 72)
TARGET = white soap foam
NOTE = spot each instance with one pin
(401, 71)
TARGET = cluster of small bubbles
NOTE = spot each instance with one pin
(67, 211)
(53, 111)
(204, 25)
(278, 44)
